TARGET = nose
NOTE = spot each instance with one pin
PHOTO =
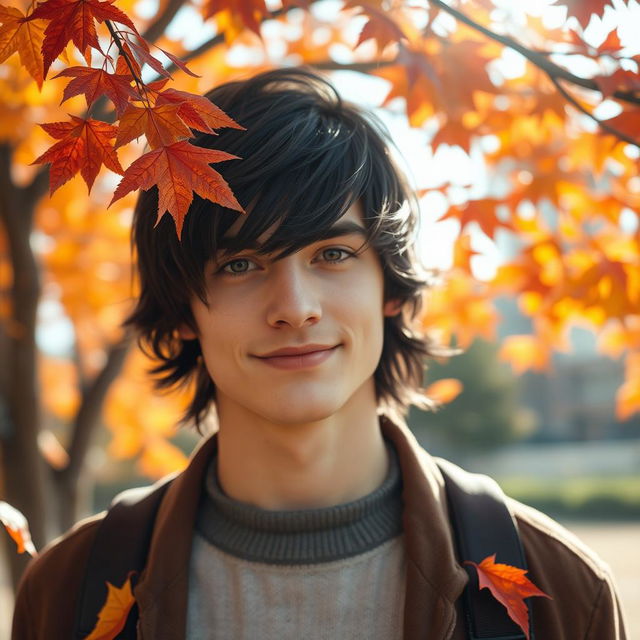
(293, 297)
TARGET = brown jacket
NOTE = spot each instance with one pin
(584, 605)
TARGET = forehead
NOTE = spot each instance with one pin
(349, 223)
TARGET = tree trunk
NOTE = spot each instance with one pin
(22, 466)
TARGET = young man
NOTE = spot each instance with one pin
(313, 513)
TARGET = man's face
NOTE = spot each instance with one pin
(294, 340)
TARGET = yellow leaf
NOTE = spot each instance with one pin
(524, 353)
(113, 615)
(445, 390)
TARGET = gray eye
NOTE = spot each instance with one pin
(333, 254)
(239, 265)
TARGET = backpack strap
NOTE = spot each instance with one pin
(483, 525)
(120, 547)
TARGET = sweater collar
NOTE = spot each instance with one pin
(434, 579)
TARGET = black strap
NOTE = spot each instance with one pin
(120, 547)
(483, 525)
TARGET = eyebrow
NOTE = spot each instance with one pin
(340, 228)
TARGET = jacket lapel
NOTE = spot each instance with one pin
(161, 592)
(434, 578)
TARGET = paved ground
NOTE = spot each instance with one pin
(617, 544)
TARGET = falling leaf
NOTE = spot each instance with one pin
(84, 146)
(18, 528)
(178, 170)
(509, 585)
(113, 615)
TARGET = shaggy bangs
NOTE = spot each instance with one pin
(305, 158)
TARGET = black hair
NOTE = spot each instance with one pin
(306, 157)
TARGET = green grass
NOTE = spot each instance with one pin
(597, 497)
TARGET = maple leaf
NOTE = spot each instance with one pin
(17, 527)
(84, 146)
(198, 112)
(382, 28)
(509, 586)
(250, 12)
(178, 170)
(113, 615)
(160, 124)
(620, 80)
(482, 212)
(75, 20)
(584, 9)
(24, 36)
(93, 83)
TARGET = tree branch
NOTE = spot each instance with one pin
(537, 58)
(601, 123)
(162, 21)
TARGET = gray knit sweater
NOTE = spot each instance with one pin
(328, 573)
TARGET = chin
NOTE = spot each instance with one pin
(303, 410)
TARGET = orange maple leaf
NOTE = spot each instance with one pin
(178, 170)
(24, 36)
(250, 12)
(93, 83)
(509, 586)
(482, 212)
(18, 528)
(114, 612)
(84, 146)
(160, 124)
(75, 20)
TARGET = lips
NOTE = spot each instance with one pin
(298, 351)
(294, 358)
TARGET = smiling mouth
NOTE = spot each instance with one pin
(298, 358)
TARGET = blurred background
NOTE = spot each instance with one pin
(522, 144)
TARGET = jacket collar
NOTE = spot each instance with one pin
(434, 578)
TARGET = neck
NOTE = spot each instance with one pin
(303, 465)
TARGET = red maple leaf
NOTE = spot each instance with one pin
(198, 112)
(94, 83)
(178, 170)
(509, 586)
(620, 80)
(85, 145)
(584, 9)
(24, 36)
(75, 20)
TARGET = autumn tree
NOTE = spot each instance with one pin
(545, 101)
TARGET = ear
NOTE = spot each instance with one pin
(186, 332)
(392, 308)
